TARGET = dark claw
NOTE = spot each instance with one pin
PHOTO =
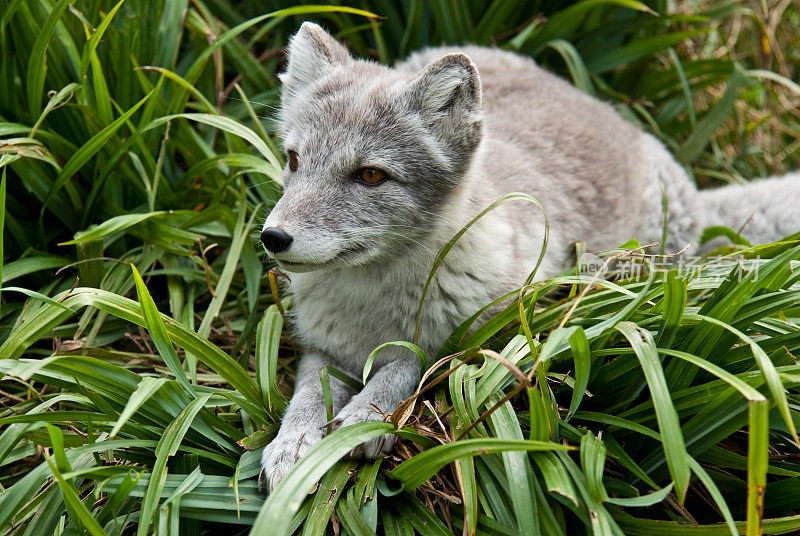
(333, 423)
(262, 476)
(357, 452)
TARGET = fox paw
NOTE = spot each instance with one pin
(355, 413)
(281, 455)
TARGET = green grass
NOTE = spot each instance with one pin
(144, 356)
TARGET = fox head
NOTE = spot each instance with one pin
(374, 154)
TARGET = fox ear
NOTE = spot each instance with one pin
(450, 85)
(447, 94)
(312, 51)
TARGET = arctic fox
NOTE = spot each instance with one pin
(385, 165)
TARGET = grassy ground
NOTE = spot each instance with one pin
(138, 156)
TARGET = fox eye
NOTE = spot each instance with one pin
(293, 161)
(372, 175)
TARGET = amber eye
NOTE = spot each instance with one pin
(371, 175)
(293, 162)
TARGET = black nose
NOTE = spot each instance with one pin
(276, 240)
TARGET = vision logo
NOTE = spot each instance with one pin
(590, 264)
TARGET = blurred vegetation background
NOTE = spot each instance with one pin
(140, 133)
(667, 66)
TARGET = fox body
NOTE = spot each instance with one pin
(443, 142)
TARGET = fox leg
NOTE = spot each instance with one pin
(391, 384)
(303, 424)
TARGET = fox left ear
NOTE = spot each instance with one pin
(312, 51)
(447, 93)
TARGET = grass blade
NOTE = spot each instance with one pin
(167, 446)
(757, 461)
(414, 472)
(37, 61)
(668, 423)
(88, 150)
(700, 137)
(155, 326)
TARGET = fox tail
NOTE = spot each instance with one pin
(761, 211)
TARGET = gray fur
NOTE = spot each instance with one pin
(452, 142)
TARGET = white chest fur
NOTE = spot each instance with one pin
(348, 313)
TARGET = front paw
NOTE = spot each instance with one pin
(282, 453)
(354, 413)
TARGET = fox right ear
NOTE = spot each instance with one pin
(447, 93)
(312, 51)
